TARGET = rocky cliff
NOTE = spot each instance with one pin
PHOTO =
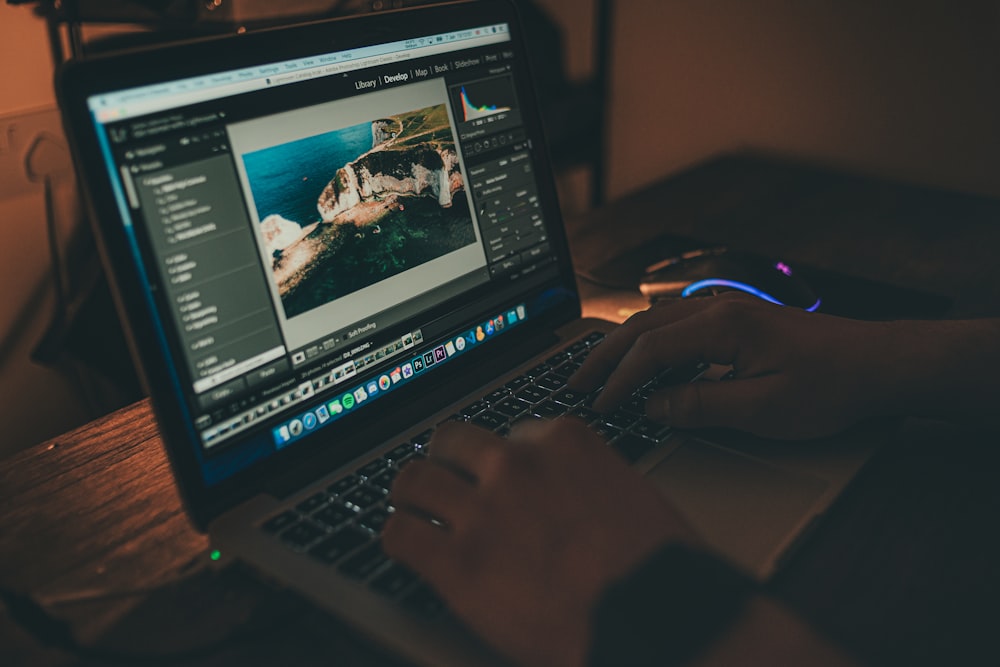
(415, 169)
(279, 233)
(385, 129)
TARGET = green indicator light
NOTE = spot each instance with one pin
(215, 555)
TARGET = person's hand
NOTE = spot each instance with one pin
(797, 374)
(527, 531)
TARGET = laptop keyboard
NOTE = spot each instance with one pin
(341, 525)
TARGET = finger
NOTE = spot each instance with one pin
(530, 431)
(545, 448)
(419, 545)
(538, 433)
(603, 358)
(700, 337)
(466, 447)
(731, 404)
(432, 489)
(606, 356)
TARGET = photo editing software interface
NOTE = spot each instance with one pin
(298, 220)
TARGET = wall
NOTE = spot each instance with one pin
(908, 90)
(576, 19)
(35, 402)
(25, 65)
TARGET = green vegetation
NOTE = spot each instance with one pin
(356, 256)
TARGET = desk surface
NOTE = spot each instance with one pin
(904, 569)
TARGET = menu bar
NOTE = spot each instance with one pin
(132, 102)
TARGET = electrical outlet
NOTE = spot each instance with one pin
(21, 135)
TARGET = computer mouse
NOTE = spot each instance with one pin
(715, 271)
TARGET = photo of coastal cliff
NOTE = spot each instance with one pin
(346, 209)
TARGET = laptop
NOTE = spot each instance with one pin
(327, 239)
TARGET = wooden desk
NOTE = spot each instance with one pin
(905, 569)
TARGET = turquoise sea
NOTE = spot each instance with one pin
(287, 179)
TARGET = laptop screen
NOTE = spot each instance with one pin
(318, 232)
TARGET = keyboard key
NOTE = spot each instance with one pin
(422, 439)
(474, 409)
(333, 515)
(400, 452)
(549, 410)
(569, 397)
(637, 406)
(302, 534)
(422, 600)
(577, 348)
(679, 375)
(496, 396)
(594, 338)
(569, 367)
(512, 406)
(375, 519)
(384, 479)
(373, 468)
(518, 382)
(342, 486)
(647, 428)
(584, 414)
(558, 358)
(538, 371)
(364, 563)
(632, 447)
(533, 394)
(279, 522)
(363, 497)
(489, 420)
(312, 503)
(416, 456)
(339, 544)
(551, 382)
(394, 580)
(621, 419)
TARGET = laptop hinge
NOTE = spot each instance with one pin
(492, 364)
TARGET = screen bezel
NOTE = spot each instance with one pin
(81, 80)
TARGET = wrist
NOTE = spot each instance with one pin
(933, 368)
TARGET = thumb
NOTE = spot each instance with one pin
(729, 404)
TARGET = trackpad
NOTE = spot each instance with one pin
(744, 507)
